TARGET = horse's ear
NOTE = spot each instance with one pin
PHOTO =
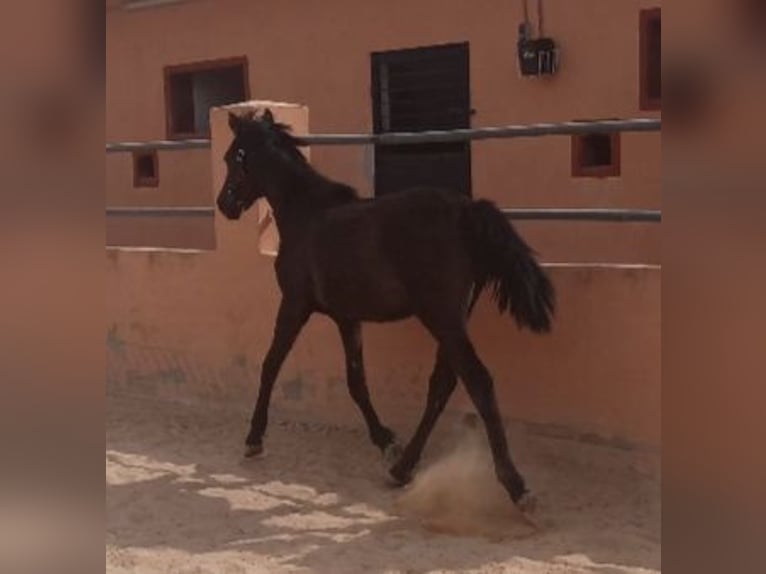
(268, 117)
(234, 122)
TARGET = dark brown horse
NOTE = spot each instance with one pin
(427, 253)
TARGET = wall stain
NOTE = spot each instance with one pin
(240, 360)
(292, 389)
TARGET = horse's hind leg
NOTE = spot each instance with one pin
(290, 320)
(351, 334)
(440, 386)
(480, 387)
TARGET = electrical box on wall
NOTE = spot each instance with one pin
(537, 56)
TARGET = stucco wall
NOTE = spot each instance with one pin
(196, 325)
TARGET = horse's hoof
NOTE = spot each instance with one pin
(253, 450)
(395, 481)
(527, 503)
(397, 478)
(392, 453)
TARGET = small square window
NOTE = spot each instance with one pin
(596, 155)
(146, 171)
(650, 59)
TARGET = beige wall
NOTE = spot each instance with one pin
(317, 53)
(191, 326)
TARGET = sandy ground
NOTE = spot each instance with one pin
(181, 500)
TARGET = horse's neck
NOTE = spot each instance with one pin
(291, 220)
(293, 207)
(299, 196)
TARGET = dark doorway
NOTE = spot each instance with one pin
(417, 90)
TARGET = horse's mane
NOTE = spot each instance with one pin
(326, 192)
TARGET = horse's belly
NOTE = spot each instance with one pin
(354, 275)
(354, 294)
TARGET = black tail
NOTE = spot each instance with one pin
(506, 263)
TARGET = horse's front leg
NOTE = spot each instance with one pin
(351, 334)
(290, 320)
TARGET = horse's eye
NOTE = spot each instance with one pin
(240, 158)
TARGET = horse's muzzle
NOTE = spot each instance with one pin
(229, 205)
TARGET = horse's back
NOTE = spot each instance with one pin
(377, 259)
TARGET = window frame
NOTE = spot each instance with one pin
(600, 171)
(191, 68)
(647, 102)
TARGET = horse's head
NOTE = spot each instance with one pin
(260, 151)
(242, 187)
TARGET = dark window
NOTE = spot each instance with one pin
(146, 171)
(596, 155)
(650, 65)
(192, 89)
(416, 90)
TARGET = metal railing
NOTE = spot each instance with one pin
(577, 214)
(473, 134)
(441, 136)
(169, 211)
(521, 214)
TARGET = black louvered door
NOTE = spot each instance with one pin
(417, 90)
